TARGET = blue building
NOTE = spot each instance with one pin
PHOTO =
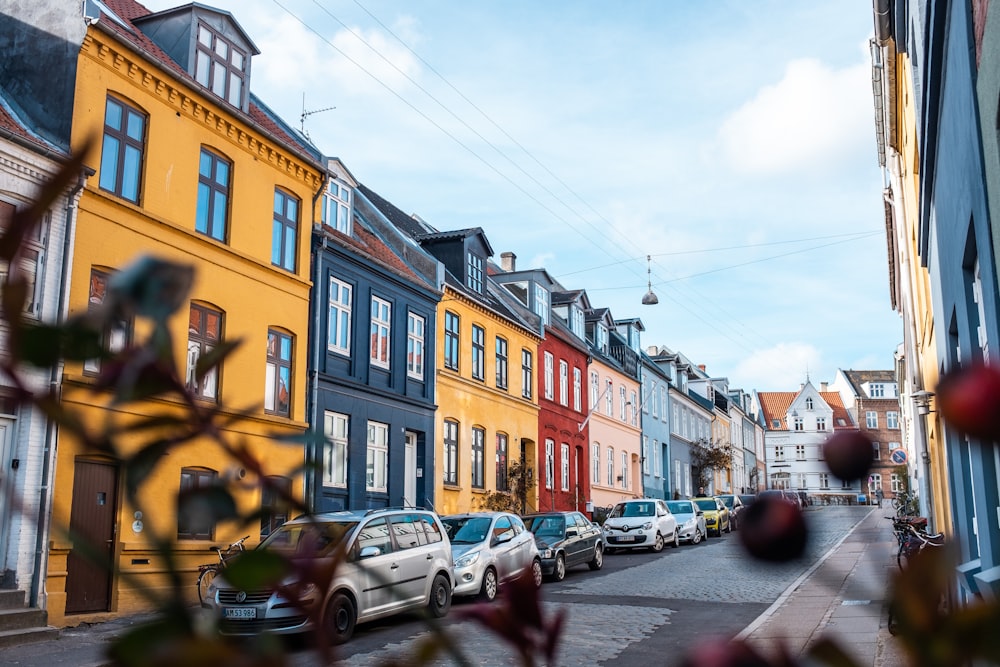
(654, 414)
(372, 365)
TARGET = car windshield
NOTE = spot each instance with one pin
(467, 529)
(680, 506)
(633, 509)
(546, 525)
(747, 499)
(308, 540)
(727, 500)
(706, 504)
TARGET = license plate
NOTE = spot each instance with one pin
(242, 613)
(627, 538)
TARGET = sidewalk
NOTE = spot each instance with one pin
(844, 597)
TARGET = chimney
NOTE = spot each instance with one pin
(702, 367)
(507, 261)
(823, 386)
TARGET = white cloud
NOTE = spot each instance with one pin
(812, 116)
(780, 368)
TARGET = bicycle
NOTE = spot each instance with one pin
(208, 571)
(912, 536)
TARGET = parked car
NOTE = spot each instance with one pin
(735, 506)
(565, 540)
(647, 523)
(716, 514)
(490, 549)
(690, 520)
(748, 499)
(393, 561)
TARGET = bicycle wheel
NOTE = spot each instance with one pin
(205, 579)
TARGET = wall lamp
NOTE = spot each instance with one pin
(922, 399)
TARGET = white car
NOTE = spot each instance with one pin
(490, 548)
(636, 524)
(690, 520)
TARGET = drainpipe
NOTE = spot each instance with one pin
(312, 398)
(43, 520)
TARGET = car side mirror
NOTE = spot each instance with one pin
(368, 552)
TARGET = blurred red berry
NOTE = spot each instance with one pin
(969, 400)
(849, 455)
(718, 652)
(773, 529)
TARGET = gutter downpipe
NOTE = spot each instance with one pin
(309, 482)
(43, 520)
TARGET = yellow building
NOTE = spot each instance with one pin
(192, 169)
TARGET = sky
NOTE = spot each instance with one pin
(731, 142)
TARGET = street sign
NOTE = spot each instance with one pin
(898, 456)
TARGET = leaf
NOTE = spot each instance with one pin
(141, 465)
(215, 357)
(43, 345)
(257, 569)
(151, 287)
(209, 505)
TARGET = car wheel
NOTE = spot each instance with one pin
(677, 539)
(440, 601)
(559, 571)
(339, 618)
(697, 536)
(598, 561)
(488, 592)
(657, 544)
(536, 572)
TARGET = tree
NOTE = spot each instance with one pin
(708, 456)
(520, 481)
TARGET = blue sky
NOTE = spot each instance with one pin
(731, 141)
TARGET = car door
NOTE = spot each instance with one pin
(506, 551)
(377, 568)
(667, 519)
(525, 543)
(585, 540)
(412, 559)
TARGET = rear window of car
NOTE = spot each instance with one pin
(305, 540)
(680, 506)
(546, 525)
(706, 504)
(633, 509)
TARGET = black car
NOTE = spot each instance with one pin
(735, 505)
(565, 540)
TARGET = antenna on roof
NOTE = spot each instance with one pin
(306, 114)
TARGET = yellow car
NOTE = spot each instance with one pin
(716, 514)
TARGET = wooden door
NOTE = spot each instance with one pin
(92, 527)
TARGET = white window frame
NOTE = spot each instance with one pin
(415, 341)
(821, 423)
(549, 375)
(564, 465)
(377, 457)
(800, 452)
(635, 409)
(871, 419)
(336, 429)
(622, 403)
(339, 316)
(595, 387)
(892, 420)
(624, 470)
(563, 382)
(542, 303)
(611, 466)
(549, 462)
(381, 332)
(595, 463)
(577, 388)
(338, 206)
(609, 398)
(645, 455)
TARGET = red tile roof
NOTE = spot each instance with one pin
(774, 406)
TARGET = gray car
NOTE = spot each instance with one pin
(690, 520)
(490, 548)
(378, 562)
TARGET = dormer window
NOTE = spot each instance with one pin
(220, 66)
(542, 303)
(337, 208)
(576, 321)
(809, 404)
(474, 273)
(601, 337)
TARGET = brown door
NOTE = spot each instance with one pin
(92, 529)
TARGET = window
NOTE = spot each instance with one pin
(800, 480)
(563, 382)
(655, 407)
(212, 215)
(415, 346)
(824, 480)
(29, 261)
(193, 522)
(655, 456)
(113, 339)
(474, 276)
(336, 209)
(809, 404)
(871, 419)
(204, 333)
(501, 363)
(501, 461)
(892, 446)
(526, 373)
(896, 483)
(122, 149)
(634, 411)
(564, 465)
(845, 484)
(549, 462)
(595, 463)
(622, 404)
(800, 452)
(877, 390)
(284, 230)
(645, 455)
(611, 466)
(478, 352)
(576, 321)
(892, 420)
(799, 424)
(875, 482)
(548, 375)
(624, 475)
(775, 423)
(377, 460)
(274, 505)
(594, 386)
(381, 328)
(335, 428)
(779, 453)
(450, 453)
(609, 398)
(577, 389)
(542, 303)
(876, 454)
(278, 373)
(601, 337)
(821, 423)
(339, 318)
(451, 328)
(663, 403)
(220, 66)
(478, 457)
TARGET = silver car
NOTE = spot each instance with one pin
(392, 561)
(690, 520)
(490, 548)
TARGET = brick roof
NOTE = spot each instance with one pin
(774, 405)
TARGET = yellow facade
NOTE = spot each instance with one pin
(615, 437)
(466, 403)
(235, 277)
